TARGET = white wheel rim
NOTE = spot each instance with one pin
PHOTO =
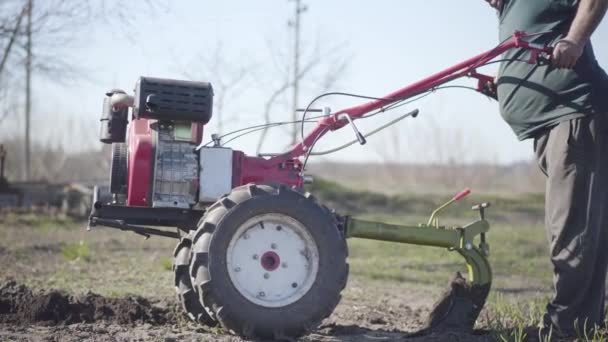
(272, 260)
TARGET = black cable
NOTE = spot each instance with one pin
(257, 129)
(506, 60)
(491, 51)
(269, 125)
(399, 103)
(336, 93)
(309, 150)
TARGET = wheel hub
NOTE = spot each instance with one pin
(272, 260)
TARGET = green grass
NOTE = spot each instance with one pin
(76, 251)
(166, 264)
(507, 320)
(527, 207)
(42, 221)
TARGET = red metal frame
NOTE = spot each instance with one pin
(466, 68)
(246, 169)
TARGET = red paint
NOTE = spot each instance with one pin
(197, 133)
(247, 170)
(464, 193)
(270, 261)
(141, 149)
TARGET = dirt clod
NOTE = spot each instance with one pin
(20, 305)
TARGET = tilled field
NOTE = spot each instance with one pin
(57, 316)
(61, 283)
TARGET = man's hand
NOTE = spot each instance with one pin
(566, 52)
(495, 3)
(588, 16)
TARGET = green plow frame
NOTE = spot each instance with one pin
(459, 239)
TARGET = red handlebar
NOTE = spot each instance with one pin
(464, 193)
(466, 68)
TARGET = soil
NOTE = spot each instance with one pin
(19, 305)
(53, 315)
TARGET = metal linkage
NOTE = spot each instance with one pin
(119, 224)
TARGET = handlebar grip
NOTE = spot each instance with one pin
(361, 138)
(462, 194)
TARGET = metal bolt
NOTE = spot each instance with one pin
(262, 294)
(246, 236)
(255, 257)
(266, 275)
(284, 265)
(237, 269)
(294, 285)
(468, 246)
(279, 227)
(273, 246)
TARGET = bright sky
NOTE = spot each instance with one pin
(391, 43)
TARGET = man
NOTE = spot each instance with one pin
(564, 108)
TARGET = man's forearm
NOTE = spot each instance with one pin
(588, 17)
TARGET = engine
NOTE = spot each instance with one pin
(157, 157)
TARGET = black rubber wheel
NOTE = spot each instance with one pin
(186, 295)
(220, 248)
(118, 169)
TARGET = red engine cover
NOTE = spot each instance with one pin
(142, 144)
(141, 167)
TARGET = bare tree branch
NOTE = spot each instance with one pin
(13, 36)
(274, 96)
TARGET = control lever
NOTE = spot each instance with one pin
(358, 134)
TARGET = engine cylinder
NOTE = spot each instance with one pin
(113, 121)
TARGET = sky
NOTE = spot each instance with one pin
(388, 44)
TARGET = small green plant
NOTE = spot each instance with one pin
(166, 263)
(76, 251)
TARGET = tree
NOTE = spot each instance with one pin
(228, 77)
(40, 43)
(294, 74)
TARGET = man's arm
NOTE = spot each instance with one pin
(588, 16)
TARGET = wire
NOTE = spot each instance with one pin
(506, 60)
(257, 129)
(269, 125)
(309, 151)
(341, 94)
(400, 103)
(392, 122)
(413, 113)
